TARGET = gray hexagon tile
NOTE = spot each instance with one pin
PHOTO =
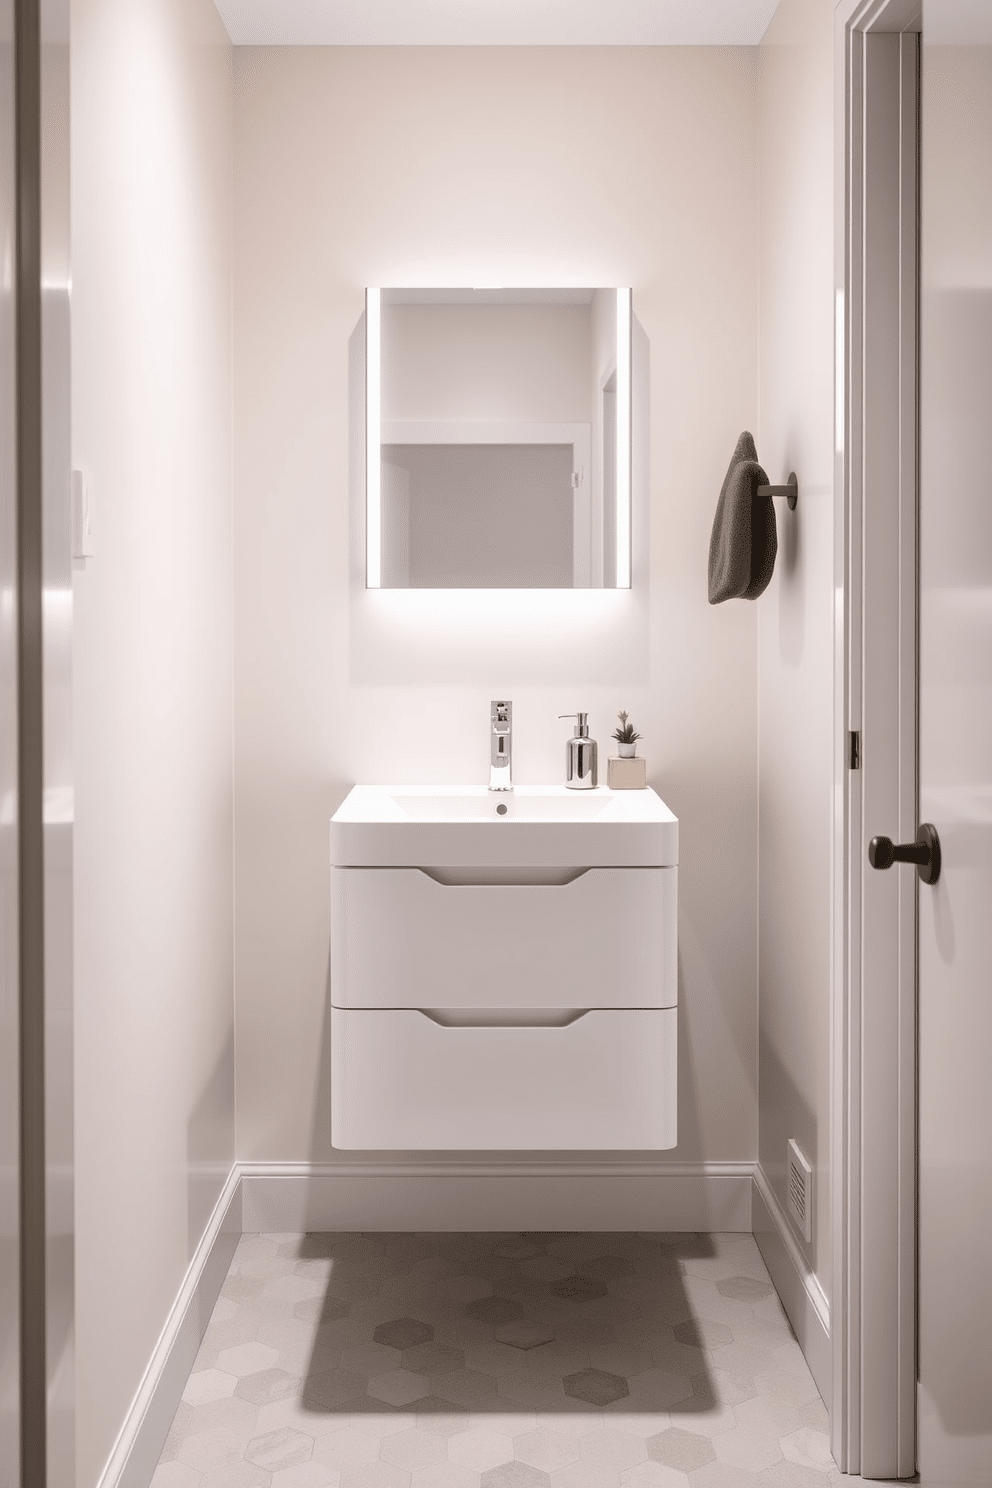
(523, 1334)
(515, 1475)
(495, 1310)
(684, 1450)
(498, 1361)
(403, 1333)
(597, 1386)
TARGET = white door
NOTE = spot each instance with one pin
(955, 917)
(873, 1309)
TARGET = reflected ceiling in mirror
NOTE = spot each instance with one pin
(498, 438)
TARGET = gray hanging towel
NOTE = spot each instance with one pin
(744, 540)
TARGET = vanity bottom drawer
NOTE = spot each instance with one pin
(402, 1081)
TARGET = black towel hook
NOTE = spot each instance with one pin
(790, 491)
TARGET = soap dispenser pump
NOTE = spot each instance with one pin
(581, 755)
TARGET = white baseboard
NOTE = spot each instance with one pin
(796, 1283)
(138, 1448)
(497, 1196)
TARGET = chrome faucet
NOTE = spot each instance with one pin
(501, 747)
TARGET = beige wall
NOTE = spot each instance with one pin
(151, 141)
(795, 616)
(434, 166)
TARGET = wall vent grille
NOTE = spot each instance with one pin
(800, 1176)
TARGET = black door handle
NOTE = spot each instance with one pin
(924, 852)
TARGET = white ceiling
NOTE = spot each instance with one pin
(496, 22)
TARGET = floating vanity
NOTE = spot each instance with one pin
(503, 970)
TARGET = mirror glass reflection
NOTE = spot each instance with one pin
(498, 438)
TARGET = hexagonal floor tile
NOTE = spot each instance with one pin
(268, 1385)
(745, 1289)
(680, 1449)
(208, 1384)
(432, 1358)
(403, 1333)
(175, 1475)
(468, 1388)
(546, 1268)
(722, 1475)
(797, 1388)
(612, 1449)
(525, 1335)
(219, 1447)
(596, 1386)
(348, 1448)
(241, 1475)
(444, 1475)
(398, 1386)
(370, 1358)
(463, 1288)
(247, 1358)
(608, 1266)
(495, 1310)
(480, 1449)
(321, 1309)
(306, 1475)
(517, 1249)
(238, 1415)
(546, 1448)
(808, 1448)
(515, 1475)
(656, 1389)
(330, 1390)
(579, 1288)
(277, 1449)
(700, 1334)
(413, 1449)
(654, 1475)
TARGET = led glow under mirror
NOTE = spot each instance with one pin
(498, 438)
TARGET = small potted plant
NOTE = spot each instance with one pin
(626, 736)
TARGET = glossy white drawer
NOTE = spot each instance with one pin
(401, 1081)
(607, 938)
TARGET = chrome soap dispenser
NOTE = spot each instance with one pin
(581, 755)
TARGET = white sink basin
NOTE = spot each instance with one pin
(531, 826)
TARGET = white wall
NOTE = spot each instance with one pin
(152, 163)
(448, 166)
(795, 616)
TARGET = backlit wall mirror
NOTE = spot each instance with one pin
(498, 438)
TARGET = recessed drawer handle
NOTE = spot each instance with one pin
(504, 1017)
(504, 878)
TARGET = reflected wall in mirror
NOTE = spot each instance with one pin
(498, 438)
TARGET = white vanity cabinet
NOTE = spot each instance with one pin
(486, 999)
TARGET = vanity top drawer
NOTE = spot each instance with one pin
(602, 938)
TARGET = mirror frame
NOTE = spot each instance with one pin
(373, 438)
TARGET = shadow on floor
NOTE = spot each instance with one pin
(516, 1323)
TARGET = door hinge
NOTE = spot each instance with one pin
(854, 749)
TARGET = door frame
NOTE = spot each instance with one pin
(873, 1084)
